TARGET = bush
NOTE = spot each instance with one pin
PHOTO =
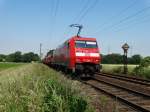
(143, 69)
(145, 62)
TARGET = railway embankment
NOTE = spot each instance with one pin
(37, 88)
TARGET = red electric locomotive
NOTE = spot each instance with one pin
(78, 54)
(48, 58)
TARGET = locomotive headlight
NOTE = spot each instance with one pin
(80, 54)
(78, 60)
(97, 60)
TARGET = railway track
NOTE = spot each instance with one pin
(134, 93)
(133, 84)
(127, 78)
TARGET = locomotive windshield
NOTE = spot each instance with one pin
(86, 44)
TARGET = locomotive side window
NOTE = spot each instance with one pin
(86, 44)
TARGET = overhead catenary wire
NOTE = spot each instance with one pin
(132, 21)
(117, 15)
(76, 17)
(128, 17)
(134, 24)
(56, 9)
(87, 11)
(51, 14)
(84, 10)
(54, 17)
(85, 6)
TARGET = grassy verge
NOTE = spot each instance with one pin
(36, 88)
(114, 68)
(4, 66)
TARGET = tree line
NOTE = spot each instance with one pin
(118, 59)
(19, 57)
(113, 58)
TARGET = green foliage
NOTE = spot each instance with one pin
(139, 70)
(28, 57)
(118, 69)
(118, 59)
(112, 59)
(2, 58)
(146, 73)
(4, 66)
(14, 57)
(36, 88)
(135, 59)
(143, 69)
(142, 72)
(63, 99)
(145, 62)
(19, 57)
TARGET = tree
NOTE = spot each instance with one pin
(112, 59)
(28, 57)
(145, 62)
(14, 57)
(135, 59)
(2, 57)
(17, 56)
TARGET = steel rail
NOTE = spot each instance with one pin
(129, 103)
(128, 77)
(123, 87)
(125, 78)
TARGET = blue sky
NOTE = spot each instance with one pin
(24, 24)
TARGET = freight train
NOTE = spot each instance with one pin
(79, 55)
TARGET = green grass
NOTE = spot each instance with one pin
(4, 66)
(117, 68)
(114, 67)
(143, 72)
(37, 88)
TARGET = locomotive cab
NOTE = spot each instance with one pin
(87, 57)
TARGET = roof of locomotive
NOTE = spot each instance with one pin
(77, 38)
(83, 38)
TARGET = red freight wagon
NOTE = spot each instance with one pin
(78, 54)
